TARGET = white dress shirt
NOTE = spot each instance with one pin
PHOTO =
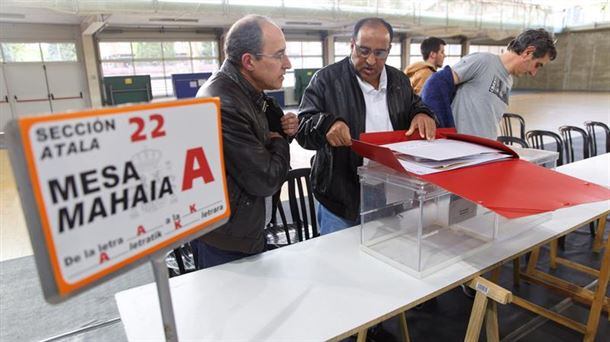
(376, 103)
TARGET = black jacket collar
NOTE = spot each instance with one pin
(257, 97)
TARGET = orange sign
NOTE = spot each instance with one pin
(112, 186)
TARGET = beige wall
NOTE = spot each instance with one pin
(582, 63)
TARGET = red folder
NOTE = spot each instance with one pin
(512, 188)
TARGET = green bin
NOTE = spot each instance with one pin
(302, 78)
(127, 89)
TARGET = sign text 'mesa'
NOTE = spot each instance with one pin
(126, 189)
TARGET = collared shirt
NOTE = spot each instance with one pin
(376, 104)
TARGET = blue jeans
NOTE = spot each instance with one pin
(330, 223)
(209, 256)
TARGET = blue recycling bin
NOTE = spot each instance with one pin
(278, 95)
(186, 85)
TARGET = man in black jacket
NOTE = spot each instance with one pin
(358, 94)
(256, 159)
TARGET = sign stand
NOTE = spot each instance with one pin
(165, 298)
(105, 190)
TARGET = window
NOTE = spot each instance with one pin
(453, 53)
(394, 57)
(39, 52)
(159, 60)
(302, 55)
(495, 49)
(342, 50)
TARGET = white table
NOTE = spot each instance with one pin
(319, 289)
(595, 169)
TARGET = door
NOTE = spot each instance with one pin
(28, 88)
(6, 112)
(67, 86)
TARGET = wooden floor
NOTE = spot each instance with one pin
(541, 110)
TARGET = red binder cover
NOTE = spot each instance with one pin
(512, 188)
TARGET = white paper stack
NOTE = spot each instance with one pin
(425, 157)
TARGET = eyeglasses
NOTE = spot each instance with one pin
(365, 52)
(278, 55)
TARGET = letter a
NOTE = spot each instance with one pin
(104, 257)
(190, 172)
(141, 230)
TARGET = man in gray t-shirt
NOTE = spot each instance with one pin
(484, 81)
(482, 96)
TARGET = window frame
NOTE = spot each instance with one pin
(133, 60)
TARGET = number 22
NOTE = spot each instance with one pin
(139, 134)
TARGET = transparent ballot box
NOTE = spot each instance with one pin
(420, 228)
(543, 158)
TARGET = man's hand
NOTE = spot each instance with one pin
(424, 124)
(338, 135)
(290, 124)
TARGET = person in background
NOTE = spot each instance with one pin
(355, 95)
(433, 53)
(484, 81)
(257, 160)
(438, 93)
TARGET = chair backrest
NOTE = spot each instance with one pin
(507, 125)
(506, 140)
(181, 260)
(536, 140)
(591, 125)
(302, 211)
(273, 228)
(569, 135)
(302, 206)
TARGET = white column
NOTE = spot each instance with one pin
(89, 28)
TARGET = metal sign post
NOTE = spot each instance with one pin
(165, 299)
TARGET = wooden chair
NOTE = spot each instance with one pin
(507, 125)
(591, 128)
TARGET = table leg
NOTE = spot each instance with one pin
(491, 322)
(476, 317)
(553, 254)
(599, 235)
(600, 293)
(516, 271)
(531, 264)
(361, 335)
(403, 327)
(482, 310)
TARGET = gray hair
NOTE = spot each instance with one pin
(540, 39)
(245, 36)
